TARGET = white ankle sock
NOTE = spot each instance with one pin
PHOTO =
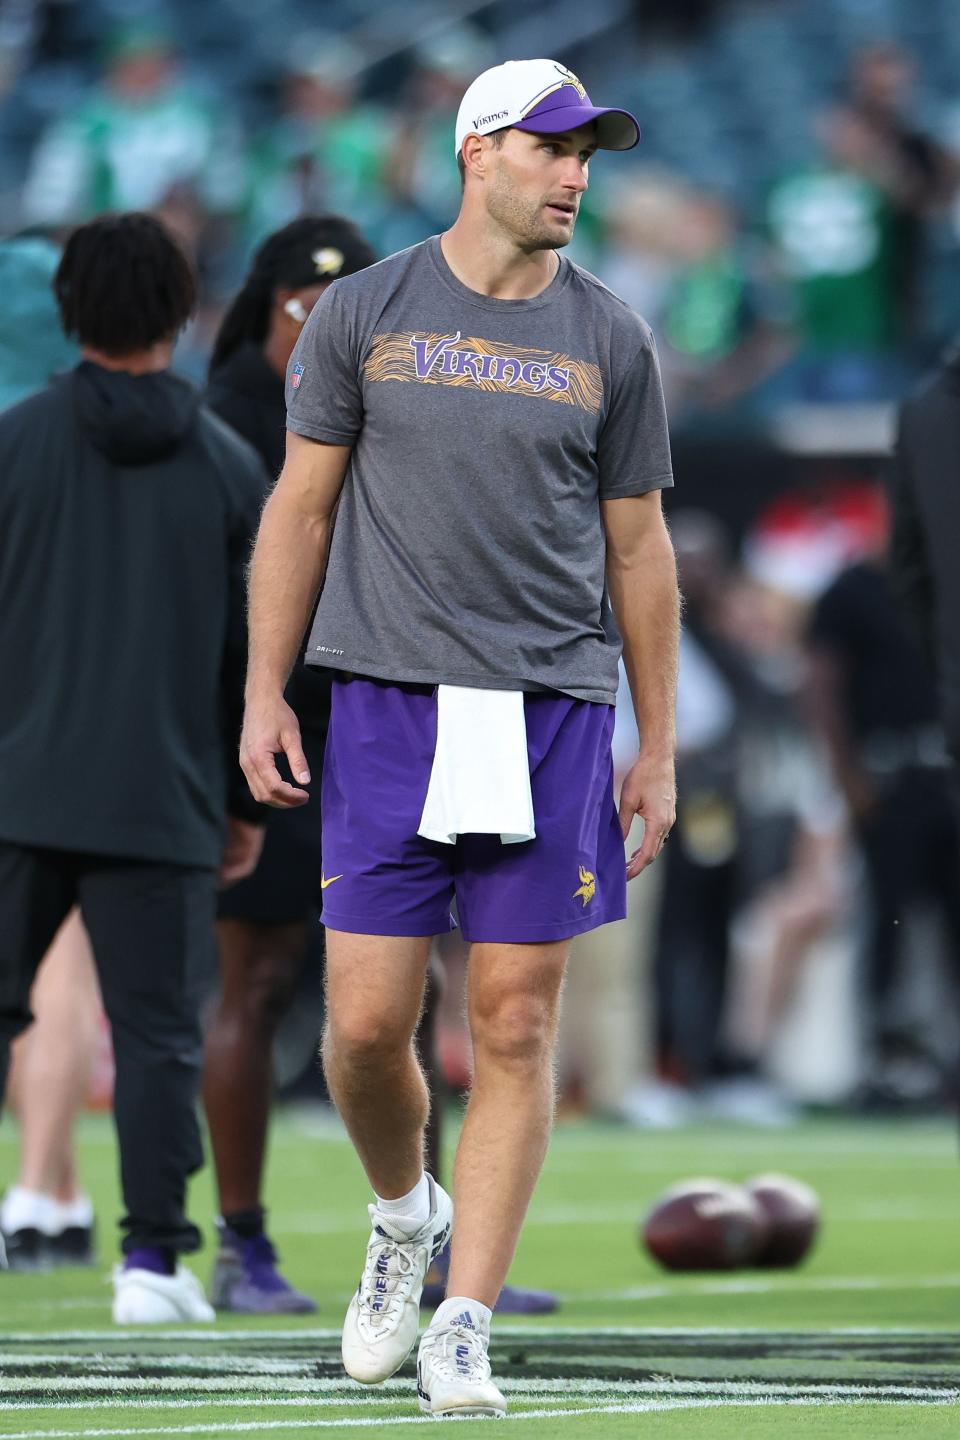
(413, 1207)
(78, 1211)
(24, 1209)
(456, 1306)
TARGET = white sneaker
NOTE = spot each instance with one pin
(453, 1372)
(384, 1315)
(141, 1297)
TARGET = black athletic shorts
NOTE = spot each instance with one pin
(285, 887)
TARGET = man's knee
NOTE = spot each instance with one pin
(516, 1030)
(360, 1035)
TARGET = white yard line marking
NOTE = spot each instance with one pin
(783, 1284)
(319, 1392)
(56, 1305)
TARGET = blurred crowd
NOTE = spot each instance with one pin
(805, 946)
(812, 284)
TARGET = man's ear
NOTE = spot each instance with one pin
(475, 150)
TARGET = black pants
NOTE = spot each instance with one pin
(692, 960)
(151, 928)
(911, 846)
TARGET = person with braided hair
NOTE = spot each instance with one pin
(264, 926)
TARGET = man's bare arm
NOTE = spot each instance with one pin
(642, 582)
(289, 560)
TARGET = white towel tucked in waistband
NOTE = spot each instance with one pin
(480, 780)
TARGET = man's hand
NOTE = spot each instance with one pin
(650, 790)
(271, 729)
(241, 851)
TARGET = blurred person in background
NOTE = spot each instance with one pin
(263, 924)
(45, 1217)
(923, 563)
(691, 943)
(706, 876)
(793, 861)
(642, 218)
(325, 151)
(915, 172)
(873, 701)
(142, 139)
(720, 333)
(849, 231)
(837, 242)
(424, 192)
(114, 480)
(753, 875)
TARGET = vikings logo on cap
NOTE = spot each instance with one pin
(567, 78)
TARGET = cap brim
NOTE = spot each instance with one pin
(616, 129)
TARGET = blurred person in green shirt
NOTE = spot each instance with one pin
(326, 150)
(836, 240)
(720, 329)
(141, 136)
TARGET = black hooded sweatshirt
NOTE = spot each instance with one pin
(925, 547)
(127, 513)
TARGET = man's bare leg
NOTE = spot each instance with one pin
(51, 1066)
(374, 994)
(513, 1005)
(259, 967)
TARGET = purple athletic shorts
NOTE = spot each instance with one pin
(382, 878)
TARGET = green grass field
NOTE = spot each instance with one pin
(863, 1340)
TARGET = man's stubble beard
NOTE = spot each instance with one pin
(520, 218)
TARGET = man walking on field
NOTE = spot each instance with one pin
(490, 419)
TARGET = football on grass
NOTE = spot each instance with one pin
(793, 1218)
(705, 1225)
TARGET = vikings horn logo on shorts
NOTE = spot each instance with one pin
(588, 886)
(488, 365)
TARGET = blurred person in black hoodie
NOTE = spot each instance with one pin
(264, 927)
(874, 703)
(126, 516)
(925, 504)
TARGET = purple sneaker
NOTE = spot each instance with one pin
(246, 1280)
(513, 1300)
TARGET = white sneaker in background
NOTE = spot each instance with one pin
(749, 1100)
(383, 1319)
(453, 1371)
(142, 1297)
(658, 1105)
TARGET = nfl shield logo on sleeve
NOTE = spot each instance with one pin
(296, 375)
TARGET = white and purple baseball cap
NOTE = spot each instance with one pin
(541, 96)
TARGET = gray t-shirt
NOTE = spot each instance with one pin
(468, 547)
